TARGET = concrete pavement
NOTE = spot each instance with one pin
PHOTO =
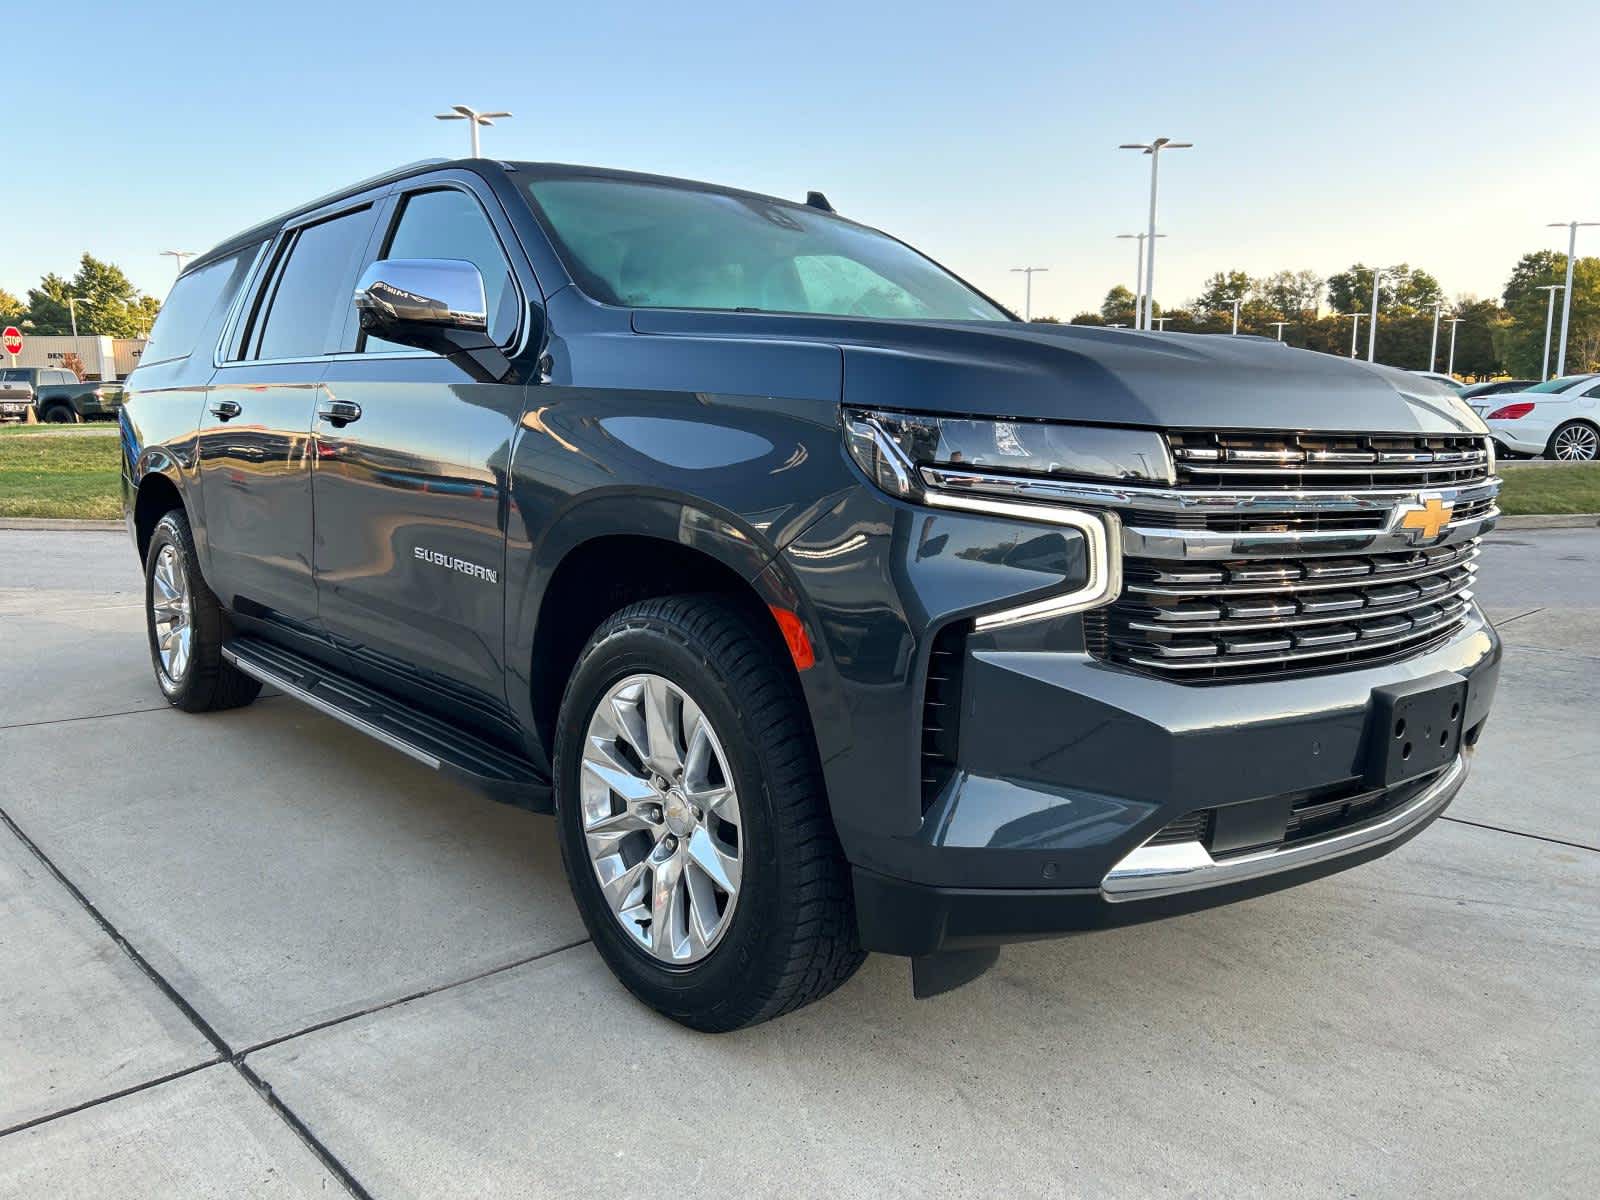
(257, 954)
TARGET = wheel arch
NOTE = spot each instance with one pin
(156, 496)
(595, 566)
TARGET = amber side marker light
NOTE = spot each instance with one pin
(794, 634)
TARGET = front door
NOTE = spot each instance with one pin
(410, 485)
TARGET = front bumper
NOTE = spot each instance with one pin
(1012, 851)
(899, 916)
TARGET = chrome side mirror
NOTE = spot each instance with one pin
(433, 304)
(400, 299)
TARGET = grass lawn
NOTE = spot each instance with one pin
(60, 475)
(1564, 488)
(46, 474)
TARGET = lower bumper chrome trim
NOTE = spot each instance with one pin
(1152, 871)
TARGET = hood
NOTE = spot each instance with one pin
(1092, 374)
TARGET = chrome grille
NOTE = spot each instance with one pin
(1278, 554)
(1252, 460)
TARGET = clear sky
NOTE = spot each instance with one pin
(983, 133)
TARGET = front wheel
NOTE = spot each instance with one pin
(1576, 441)
(694, 828)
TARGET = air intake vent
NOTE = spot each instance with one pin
(941, 711)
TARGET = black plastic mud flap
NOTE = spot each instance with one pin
(936, 974)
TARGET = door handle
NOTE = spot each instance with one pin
(339, 412)
(226, 410)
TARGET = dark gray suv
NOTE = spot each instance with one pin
(828, 606)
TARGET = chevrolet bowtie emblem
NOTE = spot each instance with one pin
(1425, 521)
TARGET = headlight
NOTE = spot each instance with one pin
(945, 462)
(899, 451)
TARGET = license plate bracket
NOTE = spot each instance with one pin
(1414, 728)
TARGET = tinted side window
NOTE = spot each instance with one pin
(451, 224)
(190, 304)
(311, 284)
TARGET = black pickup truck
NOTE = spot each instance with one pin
(828, 606)
(55, 395)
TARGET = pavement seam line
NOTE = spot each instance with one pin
(1537, 837)
(129, 712)
(407, 999)
(1518, 617)
(106, 1099)
(284, 1113)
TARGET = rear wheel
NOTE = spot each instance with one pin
(1576, 441)
(694, 828)
(187, 626)
(61, 414)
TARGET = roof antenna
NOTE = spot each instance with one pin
(818, 200)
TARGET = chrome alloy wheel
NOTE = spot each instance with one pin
(171, 616)
(1577, 443)
(661, 819)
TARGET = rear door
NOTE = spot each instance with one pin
(411, 496)
(255, 441)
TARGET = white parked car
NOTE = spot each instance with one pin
(1559, 418)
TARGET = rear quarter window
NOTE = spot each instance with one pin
(191, 304)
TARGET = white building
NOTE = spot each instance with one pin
(102, 357)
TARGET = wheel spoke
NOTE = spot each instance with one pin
(666, 913)
(719, 866)
(703, 919)
(662, 724)
(601, 762)
(605, 833)
(628, 720)
(180, 658)
(718, 801)
(621, 890)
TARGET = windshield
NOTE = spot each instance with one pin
(1559, 384)
(647, 245)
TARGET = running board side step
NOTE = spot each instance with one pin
(500, 773)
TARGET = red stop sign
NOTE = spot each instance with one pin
(13, 340)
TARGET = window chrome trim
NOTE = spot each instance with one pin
(1101, 544)
(1154, 871)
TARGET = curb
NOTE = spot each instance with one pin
(61, 525)
(1550, 521)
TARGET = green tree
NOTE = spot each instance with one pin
(1521, 341)
(1117, 307)
(11, 309)
(1292, 294)
(1047, 320)
(1407, 290)
(1087, 318)
(108, 303)
(1219, 292)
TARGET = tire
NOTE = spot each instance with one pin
(788, 936)
(1574, 441)
(201, 681)
(61, 414)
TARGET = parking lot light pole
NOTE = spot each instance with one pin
(1549, 321)
(1572, 228)
(1278, 325)
(1433, 348)
(1372, 325)
(1451, 369)
(1028, 274)
(1153, 149)
(1236, 301)
(1161, 322)
(1355, 324)
(178, 256)
(1138, 277)
(72, 309)
(473, 118)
